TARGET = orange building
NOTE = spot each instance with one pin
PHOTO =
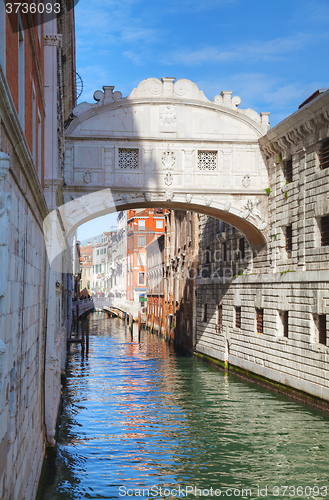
(86, 266)
(144, 226)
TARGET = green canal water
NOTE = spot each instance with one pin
(142, 420)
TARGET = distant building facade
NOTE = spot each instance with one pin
(143, 226)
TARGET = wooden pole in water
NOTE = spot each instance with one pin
(152, 322)
(126, 316)
(131, 321)
(82, 336)
(77, 320)
(139, 325)
(87, 335)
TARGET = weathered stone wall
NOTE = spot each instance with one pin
(288, 283)
(22, 319)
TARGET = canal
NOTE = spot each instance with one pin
(139, 416)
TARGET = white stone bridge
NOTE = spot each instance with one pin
(166, 145)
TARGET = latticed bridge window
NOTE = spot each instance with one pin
(324, 155)
(128, 158)
(207, 160)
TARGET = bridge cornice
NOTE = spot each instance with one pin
(165, 92)
(98, 110)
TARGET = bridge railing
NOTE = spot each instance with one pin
(118, 303)
(81, 306)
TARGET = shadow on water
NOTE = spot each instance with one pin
(144, 414)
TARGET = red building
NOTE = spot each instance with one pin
(143, 227)
(22, 59)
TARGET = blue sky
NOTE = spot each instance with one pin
(271, 54)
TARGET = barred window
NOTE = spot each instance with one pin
(259, 320)
(289, 240)
(207, 160)
(238, 317)
(324, 155)
(287, 169)
(324, 230)
(128, 158)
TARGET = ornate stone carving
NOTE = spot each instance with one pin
(107, 203)
(87, 177)
(263, 226)
(246, 180)
(168, 160)
(85, 205)
(126, 198)
(5, 208)
(250, 209)
(169, 195)
(54, 40)
(169, 179)
(189, 198)
(227, 206)
(168, 115)
(148, 196)
(107, 95)
(207, 201)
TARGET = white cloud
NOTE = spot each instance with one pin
(269, 50)
(263, 92)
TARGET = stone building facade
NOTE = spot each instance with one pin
(181, 257)
(34, 311)
(267, 313)
(155, 285)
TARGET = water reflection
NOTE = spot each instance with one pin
(138, 415)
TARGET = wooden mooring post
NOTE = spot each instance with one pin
(87, 335)
(131, 325)
(139, 325)
(83, 336)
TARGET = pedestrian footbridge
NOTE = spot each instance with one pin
(166, 145)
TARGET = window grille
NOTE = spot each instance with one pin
(285, 324)
(289, 240)
(324, 155)
(238, 317)
(322, 329)
(287, 168)
(207, 160)
(259, 320)
(324, 230)
(128, 158)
